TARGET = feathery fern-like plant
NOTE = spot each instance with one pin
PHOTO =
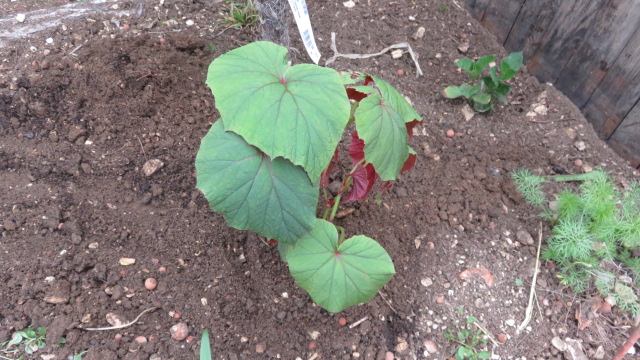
(595, 230)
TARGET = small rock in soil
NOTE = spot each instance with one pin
(59, 293)
(419, 33)
(397, 54)
(580, 145)
(468, 112)
(179, 331)
(426, 282)
(430, 346)
(599, 354)
(282, 315)
(389, 356)
(261, 348)
(141, 340)
(559, 343)
(127, 261)
(150, 284)
(524, 237)
(464, 47)
(152, 166)
(402, 347)
(502, 338)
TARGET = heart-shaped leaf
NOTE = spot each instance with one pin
(253, 192)
(385, 136)
(296, 112)
(339, 275)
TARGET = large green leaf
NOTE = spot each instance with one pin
(296, 112)
(338, 276)
(271, 197)
(380, 121)
(384, 134)
(396, 100)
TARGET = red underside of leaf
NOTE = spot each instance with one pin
(364, 177)
(386, 186)
(356, 95)
(356, 148)
(409, 163)
(368, 80)
(273, 241)
(324, 177)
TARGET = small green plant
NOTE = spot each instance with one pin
(79, 355)
(485, 92)
(263, 163)
(27, 341)
(595, 230)
(443, 7)
(240, 14)
(468, 340)
(205, 346)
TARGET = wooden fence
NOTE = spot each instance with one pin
(589, 49)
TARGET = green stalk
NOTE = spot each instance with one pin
(342, 234)
(336, 203)
(594, 175)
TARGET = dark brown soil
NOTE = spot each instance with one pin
(76, 129)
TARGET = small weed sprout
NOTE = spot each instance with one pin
(485, 92)
(240, 15)
(29, 340)
(205, 346)
(468, 341)
(595, 230)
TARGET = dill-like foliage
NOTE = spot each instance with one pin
(595, 230)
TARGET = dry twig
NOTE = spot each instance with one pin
(123, 325)
(403, 45)
(529, 310)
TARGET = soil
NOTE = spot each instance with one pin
(80, 116)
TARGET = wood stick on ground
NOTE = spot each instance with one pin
(123, 325)
(486, 333)
(358, 322)
(403, 45)
(529, 310)
(633, 337)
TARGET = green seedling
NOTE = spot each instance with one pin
(443, 7)
(205, 346)
(28, 341)
(595, 230)
(468, 341)
(264, 162)
(485, 92)
(240, 14)
(79, 355)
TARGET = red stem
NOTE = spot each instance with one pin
(633, 337)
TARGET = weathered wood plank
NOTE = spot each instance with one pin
(604, 40)
(618, 92)
(626, 138)
(477, 8)
(500, 16)
(531, 25)
(565, 34)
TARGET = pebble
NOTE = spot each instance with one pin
(189, 22)
(115, 319)
(152, 166)
(578, 163)
(587, 169)
(282, 315)
(127, 261)
(510, 322)
(261, 348)
(141, 340)
(430, 346)
(389, 356)
(580, 145)
(150, 283)
(397, 54)
(179, 331)
(559, 343)
(419, 33)
(426, 282)
(540, 110)
(312, 345)
(451, 133)
(502, 338)
(524, 237)
(21, 17)
(349, 4)
(439, 299)
(9, 225)
(342, 321)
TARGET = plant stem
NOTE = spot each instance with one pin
(575, 177)
(342, 234)
(336, 203)
(633, 337)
